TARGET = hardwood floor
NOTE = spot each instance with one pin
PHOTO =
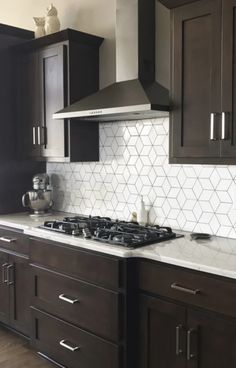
(15, 353)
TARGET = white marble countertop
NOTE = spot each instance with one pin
(215, 256)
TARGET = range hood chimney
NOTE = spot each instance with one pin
(136, 94)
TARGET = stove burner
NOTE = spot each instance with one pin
(105, 230)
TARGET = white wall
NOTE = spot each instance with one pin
(92, 16)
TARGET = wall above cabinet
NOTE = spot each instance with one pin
(53, 72)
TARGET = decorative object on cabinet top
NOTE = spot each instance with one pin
(52, 20)
(40, 26)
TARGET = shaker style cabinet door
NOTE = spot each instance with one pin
(28, 105)
(4, 289)
(196, 80)
(53, 88)
(228, 117)
(19, 284)
(162, 334)
(211, 341)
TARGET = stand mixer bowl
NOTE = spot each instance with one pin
(40, 201)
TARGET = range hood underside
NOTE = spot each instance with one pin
(129, 100)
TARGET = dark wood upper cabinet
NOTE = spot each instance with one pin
(16, 174)
(228, 145)
(175, 3)
(53, 88)
(28, 117)
(53, 72)
(202, 120)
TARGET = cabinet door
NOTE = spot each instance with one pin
(19, 284)
(28, 105)
(52, 65)
(228, 128)
(196, 80)
(211, 341)
(162, 334)
(4, 289)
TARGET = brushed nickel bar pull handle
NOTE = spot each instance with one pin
(223, 126)
(44, 140)
(34, 136)
(10, 280)
(69, 346)
(189, 353)
(7, 240)
(179, 351)
(4, 277)
(212, 127)
(175, 286)
(39, 136)
(67, 299)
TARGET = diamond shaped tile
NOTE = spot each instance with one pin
(134, 161)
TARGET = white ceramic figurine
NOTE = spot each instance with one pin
(52, 20)
(40, 26)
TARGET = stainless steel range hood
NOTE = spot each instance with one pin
(136, 94)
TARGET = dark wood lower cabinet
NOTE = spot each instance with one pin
(70, 345)
(4, 290)
(160, 322)
(211, 340)
(119, 313)
(183, 322)
(14, 292)
(85, 305)
(79, 306)
(19, 293)
(173, 336)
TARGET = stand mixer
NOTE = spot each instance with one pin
(40, 198)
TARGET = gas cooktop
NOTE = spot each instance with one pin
(106, 230)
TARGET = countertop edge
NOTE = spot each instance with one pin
(141, 253)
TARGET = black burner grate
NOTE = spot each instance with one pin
(105, 230)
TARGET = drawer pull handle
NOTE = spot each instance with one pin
(67, 299)
(65, 344)
(175, 286)
(4, 274)
(223, 126)
(10, 274)
(212, 127)
(7, 240)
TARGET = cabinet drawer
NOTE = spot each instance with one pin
(90, 307)
(70, 346)
(14, 240)
(94, 268)
(191, 287)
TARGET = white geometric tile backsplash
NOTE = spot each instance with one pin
(134, 161)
